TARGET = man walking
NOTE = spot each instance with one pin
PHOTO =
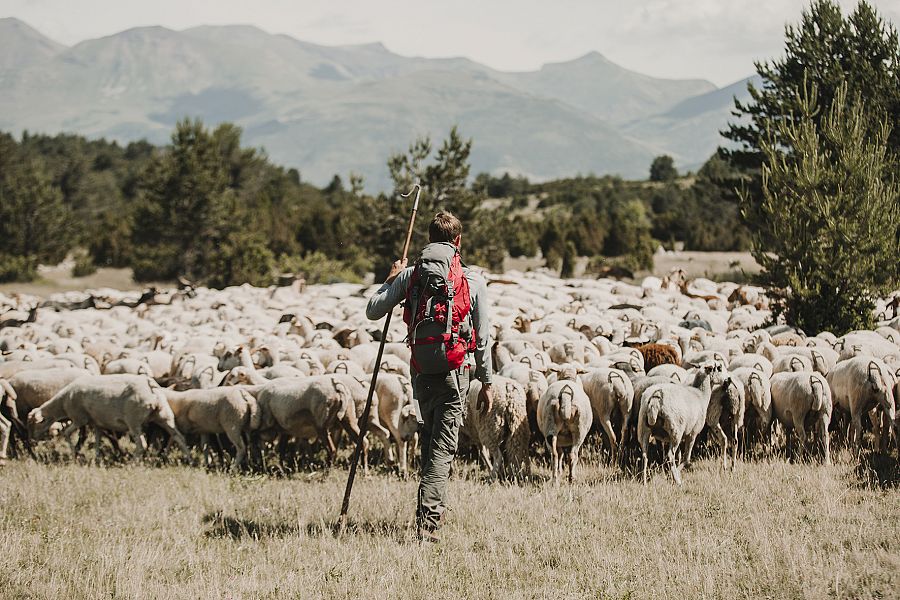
(446, 310)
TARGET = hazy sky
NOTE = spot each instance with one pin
(712, 39)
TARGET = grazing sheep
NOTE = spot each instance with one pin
(673, 372)
(229, 410)
(127, 366)
(611, 393)
(757, 362)
(725, 415)
(801, 400)
(121, 403)
(791, 362)
(502, 434)
(859, 385)
(308, 409)
(348, 367)
(397, 412)
(7, 399)
(676, 414)
(658, 354)
(535, 384)
(758, 399)
(564, 417)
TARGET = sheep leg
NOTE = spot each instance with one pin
(673, 466)
(645, 442)
(169, 425)
(68, 432)
(734, 447)
(496, 465)
(5, 427)
(485, 455)
(721, 439)
(689, 449)
(856, 432)
(554, 453)
(824, 435)
(140, 443)
(240, 448)
(573, 460)
(328, 440)
(352, 430)
(623, 436)
(97, 436)
(402, 451)
(611, 436)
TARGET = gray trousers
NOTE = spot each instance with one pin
(442, 401)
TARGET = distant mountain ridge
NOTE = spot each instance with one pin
(327, 110)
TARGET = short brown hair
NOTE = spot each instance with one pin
(444, 227)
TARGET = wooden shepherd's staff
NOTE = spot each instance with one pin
(364, 419)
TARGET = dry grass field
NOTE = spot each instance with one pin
(771, 529)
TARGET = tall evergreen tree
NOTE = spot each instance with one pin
(827, 231)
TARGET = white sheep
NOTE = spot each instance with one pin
(8, 400)
(799, 398)
(501, 434)
(229, 410)
(859, 385)
(564, 417)
(119, 403)
(396, 412)
(535, 384)
(611, 394)
(758, 400)
(308, 408)
(725, 415)
(676, 414)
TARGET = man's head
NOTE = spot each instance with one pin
(445, 227)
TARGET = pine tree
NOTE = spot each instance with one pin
(827, 230)
(829, 50)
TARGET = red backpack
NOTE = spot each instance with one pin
(437, 310)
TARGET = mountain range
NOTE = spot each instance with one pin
(328, 110)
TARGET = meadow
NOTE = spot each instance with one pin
(770, 529)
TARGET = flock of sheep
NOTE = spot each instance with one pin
(246, 371)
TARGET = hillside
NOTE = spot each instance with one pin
(327, 110)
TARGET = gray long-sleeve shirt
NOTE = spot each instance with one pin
(391, 294)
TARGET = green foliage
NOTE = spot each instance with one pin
(443, 178)
(827, 231)
(84, 265)
(316, 268)
(663, 169)
(34, 221)
(860, 51)
(17, 269)
(630, 234)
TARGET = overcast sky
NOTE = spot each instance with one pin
(716, 40)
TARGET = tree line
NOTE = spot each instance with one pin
(211, 210)
(807, 180)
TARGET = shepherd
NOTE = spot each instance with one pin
(446, 313)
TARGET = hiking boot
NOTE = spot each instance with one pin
(427, 536)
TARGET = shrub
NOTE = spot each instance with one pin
(84, 265)
(316, 267)
(17, 269)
